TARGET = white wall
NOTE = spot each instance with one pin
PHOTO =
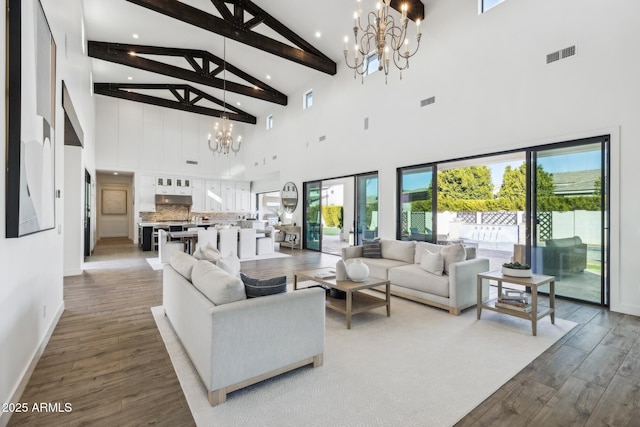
(32, 266)
(494, 91)
(135, 137)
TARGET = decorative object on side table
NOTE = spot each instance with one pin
(515, 269)
(357, 271)
(341, 271)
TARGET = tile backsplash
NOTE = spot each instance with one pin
(184, 213)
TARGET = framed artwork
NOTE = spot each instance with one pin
(31, 101)
(114, 202)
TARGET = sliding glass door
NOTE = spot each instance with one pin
(366, 207)
(569, 234)
(416, 221)
(312, 215)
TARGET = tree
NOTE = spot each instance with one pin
(468, 183)
(514, 187)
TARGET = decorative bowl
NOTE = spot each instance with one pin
(513, 272)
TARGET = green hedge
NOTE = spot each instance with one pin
(551, 203)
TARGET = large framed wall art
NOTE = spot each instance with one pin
(31, 88)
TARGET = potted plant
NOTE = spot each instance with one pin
(516, 269)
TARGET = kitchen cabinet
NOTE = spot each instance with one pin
(228, 196)
(198, 195)
(243, 197)
(213, 196)
(183, 186)
(165, 185)
(146, 193)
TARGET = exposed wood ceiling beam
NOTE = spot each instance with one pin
(186, 99)
(120, 53)
(237, 29)
(415, 10)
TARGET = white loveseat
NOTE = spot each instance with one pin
(454, 290)
(238, 343)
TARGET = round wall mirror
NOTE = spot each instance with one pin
(289, 196)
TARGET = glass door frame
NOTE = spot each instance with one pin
(531, 203)
(305, 203)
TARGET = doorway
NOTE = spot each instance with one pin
(340, 212)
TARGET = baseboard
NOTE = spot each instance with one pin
(26, 376)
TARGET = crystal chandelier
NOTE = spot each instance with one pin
(224, 142)
(382, 37)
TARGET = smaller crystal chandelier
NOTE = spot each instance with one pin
(383, 37)
(224, 142)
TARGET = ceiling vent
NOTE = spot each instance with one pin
(192, 162)
(322, 138)
(561, 54)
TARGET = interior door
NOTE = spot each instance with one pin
(569, 212)
(87, 213)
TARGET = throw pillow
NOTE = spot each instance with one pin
(451, 254)
(218, 286)
(208, 252)
(371, 249)
(183, 263)
(432, 262)
(230, 264)
(261, 287)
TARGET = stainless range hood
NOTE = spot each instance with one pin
(170, 199)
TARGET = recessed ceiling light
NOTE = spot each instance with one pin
(129, 78)
(268, 77)
(135, 36)
(132, 53)
(255, 87)
(115, 173)
(318, 34)
(238, 103)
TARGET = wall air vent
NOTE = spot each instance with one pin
(366, 123)
(274, 158)
(561, 54)
(192, 162)
(553, 57)
(428, 101)
(568, 51)
(322, 138)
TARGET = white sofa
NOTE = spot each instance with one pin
(239, 343)
(400, 264)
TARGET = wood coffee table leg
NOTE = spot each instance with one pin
(349, 302)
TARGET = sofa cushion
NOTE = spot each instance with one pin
(372, 249)
(425, 246)
(230, 264)
(183, 263)
(216, 284)
(398, 250)
(470, 251)
(432, 262)
(413, 277)
(451, 254)
(262, 287)
(378, 266)
(208, 252)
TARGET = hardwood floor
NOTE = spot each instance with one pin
(107, 359)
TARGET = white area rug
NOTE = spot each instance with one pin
(419, 367)
(157, 265)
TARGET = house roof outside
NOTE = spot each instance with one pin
(578, 183)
